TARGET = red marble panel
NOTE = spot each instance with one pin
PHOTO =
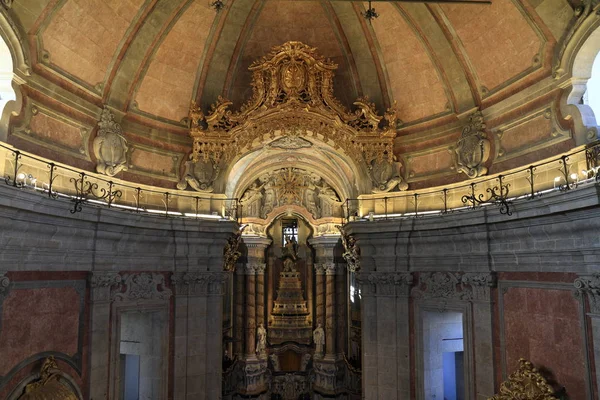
(498, 39)
(83, 35)
(38, 320)
(166, 89)
(544, 327)
(414, 81)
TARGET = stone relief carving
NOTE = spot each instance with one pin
(290, 386)
(230, 252)
(275, 362)
(351, 250)
(590, 286)
(143, 286)
(290, 143)
(325, 375)
(454, 286)
(200, 175)
(110, 146)
(473, 148)
(290, 186)
(386, 176)
(198, 283)
(386, 283)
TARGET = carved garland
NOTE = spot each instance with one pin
(293, 95)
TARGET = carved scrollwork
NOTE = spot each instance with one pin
(386, 283)
(473, 148)
(454, 286)
(525, 383)
(198, 283)
(143, 286)
(386, 175)
(50, 385)
(590, 286)
(200, 175)
(110, 146)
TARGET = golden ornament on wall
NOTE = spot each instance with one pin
(49, 386)
(525, 384)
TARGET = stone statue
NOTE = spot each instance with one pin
(275, 361)
(291, 247)
(305, 361)
(261, 340)
(319, 339)
(110, 146)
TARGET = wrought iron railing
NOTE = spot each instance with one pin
(561, 173)
(60, 182)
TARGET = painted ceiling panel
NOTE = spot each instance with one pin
(167, 87)
(83, 36)
(498, 39)
(414, 81)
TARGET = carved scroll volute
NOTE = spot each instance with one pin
(110, 146)
(473, 148)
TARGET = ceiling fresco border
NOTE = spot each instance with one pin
(44, 58)
(24, 132)
(132, 105)
(557, 135)
(171, 175)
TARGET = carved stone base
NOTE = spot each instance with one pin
(253, 377)
(328, 372)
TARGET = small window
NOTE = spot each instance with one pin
(289, 229)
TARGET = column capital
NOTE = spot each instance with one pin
(260, 268)
(103, 283)
(589, 286)
(250, 268)
(319, 269)
(329, 268)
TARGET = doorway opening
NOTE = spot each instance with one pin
(443, 355)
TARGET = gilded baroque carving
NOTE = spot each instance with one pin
(473, 148)
(590, 286)
(351, 250)
(231, 252)
(143, 286)
(293, 97)
(50, 385)
(110, 146)
(290, 186)
(525, 383)
(454, 286)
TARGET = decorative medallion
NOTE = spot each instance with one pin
(110, 146)
(473, 148)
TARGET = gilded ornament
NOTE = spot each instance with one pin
(231, 251)
(473, 148)
(110, 146)
(351, 250)
(525, 384)
(293, 97)
(50, 386)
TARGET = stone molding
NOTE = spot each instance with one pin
(199, 283)
(469, 286)
(142, 286)
(103, 283)
(589, 285)
(389, 284)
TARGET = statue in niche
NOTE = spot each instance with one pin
(319, 339)
(289, 265)
(199, 175)
(291, 248)
(310, 196)
(473, 148)
(386, 176)
(270, 200)
(275, 361)
(110, 146)
(261, 340)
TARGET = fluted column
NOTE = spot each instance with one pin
(250, 310)
(330, 325)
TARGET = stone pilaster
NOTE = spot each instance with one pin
(587, 287)
(320, 294)
(198, 334)
(101, 284)
(385, 334)
(239, 312)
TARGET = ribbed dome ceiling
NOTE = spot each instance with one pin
(152, 57)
